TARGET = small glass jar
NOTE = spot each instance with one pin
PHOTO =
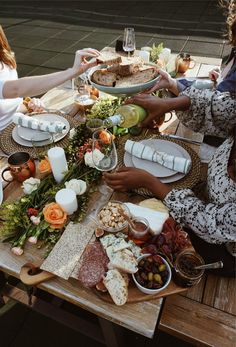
(184, 273)
(139, 230)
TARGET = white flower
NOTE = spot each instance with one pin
(78, 186)
(165, 55)
(17, 250)
(30, 185)
(33, 240)
(72, 133)
(93, 158)
(35, 220)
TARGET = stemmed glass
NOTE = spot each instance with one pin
(104, 154)
(129, 40)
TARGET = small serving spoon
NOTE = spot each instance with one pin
(216, 265)
(126, 217)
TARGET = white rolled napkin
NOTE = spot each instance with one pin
(156, 219)
(142, 151)
(43, 125)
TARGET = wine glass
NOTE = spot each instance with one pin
(104, 154)
(129, 40)
(81, 98)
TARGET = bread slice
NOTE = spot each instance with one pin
(145, 74)
(124, 260)
(108, 58)
(104, 78)
(116, 286)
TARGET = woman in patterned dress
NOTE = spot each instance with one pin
(212, 223)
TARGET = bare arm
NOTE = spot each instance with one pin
(29, 86)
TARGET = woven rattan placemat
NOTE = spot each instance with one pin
(9, 146)
(188, 181)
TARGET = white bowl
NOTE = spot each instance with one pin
(152, 291)
(121, 91)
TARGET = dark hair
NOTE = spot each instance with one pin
(230, 12)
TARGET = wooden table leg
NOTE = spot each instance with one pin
(112, 333)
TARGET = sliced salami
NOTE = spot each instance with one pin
(94, 265)
(91, 273)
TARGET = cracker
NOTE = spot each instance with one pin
(68, 250)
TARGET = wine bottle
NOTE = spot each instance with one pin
(126, 116)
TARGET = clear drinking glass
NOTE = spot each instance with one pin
(104, 152)
(129, 40)
(104, 155)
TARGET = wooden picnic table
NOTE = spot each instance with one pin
(141, 317)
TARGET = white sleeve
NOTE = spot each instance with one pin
(1, 88)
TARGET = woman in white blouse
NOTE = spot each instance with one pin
(13, 89)
(8, 72)
(33, 85)
(212, 222)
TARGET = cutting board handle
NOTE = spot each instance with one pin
(31, 274)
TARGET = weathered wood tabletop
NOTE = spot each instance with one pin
(130, 316)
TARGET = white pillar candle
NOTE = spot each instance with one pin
(58, 163)
(145, 56)
(66, 198)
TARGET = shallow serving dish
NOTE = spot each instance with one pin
(119, 91)
(112, 229)
(146, 290)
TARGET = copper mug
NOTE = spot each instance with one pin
(21, 167)
(184, 62)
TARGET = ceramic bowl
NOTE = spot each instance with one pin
(121, 91)
(144, 288)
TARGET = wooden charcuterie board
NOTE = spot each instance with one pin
(135, 295)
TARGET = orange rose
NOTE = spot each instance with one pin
(106, 137)
(54, 215)
(44, 166)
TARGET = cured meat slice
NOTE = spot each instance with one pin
(91, 273)
(94, 265)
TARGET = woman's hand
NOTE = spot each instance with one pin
(164, 82)
(80, 65)
(31, 105)
(36, 105)
(155, 107)
(128, 178)
(214, 74)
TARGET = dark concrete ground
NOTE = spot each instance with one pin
(44, 36)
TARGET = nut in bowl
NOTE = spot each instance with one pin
(153, 275)
(110, 219)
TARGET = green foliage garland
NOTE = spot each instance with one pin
(16, 226)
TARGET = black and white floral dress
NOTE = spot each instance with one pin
(214, 113)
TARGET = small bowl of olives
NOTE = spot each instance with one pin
(153, 275)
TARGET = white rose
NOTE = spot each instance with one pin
(78, 186)
(72, 133)
(93, 158)
(30, 185)
(88, 159)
